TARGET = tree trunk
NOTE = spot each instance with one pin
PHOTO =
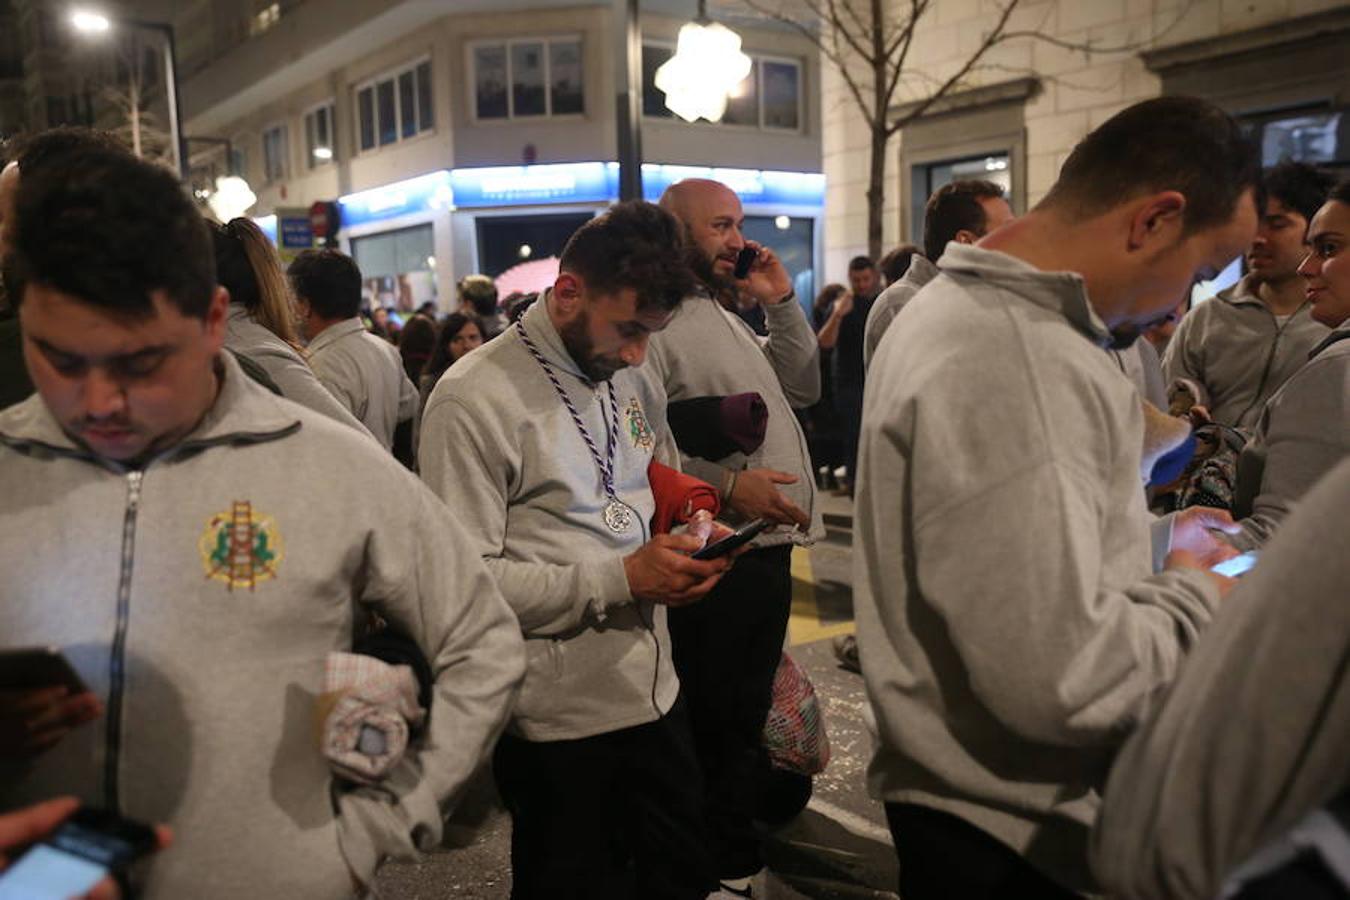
(876, 193)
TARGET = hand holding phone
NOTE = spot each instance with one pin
(738, 538)
(75, 851)
(744, 260)
(1236, 566)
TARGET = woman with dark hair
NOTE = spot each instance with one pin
(261, 326)
(460, 334)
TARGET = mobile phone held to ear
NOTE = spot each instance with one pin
(33, 668)
(88, 847)
(744, 260)
(741, 536)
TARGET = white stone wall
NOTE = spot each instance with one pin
(1079, 91)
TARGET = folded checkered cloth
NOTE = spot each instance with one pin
(373, 704)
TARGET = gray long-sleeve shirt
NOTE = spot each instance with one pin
(1256, 731)
(1010, 624)
(499, 446)
(284, 366)
(1238, 354)
(366, 374)
(1303, 433)
(706, 351)
(892, 300)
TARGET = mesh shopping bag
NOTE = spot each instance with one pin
(794, 733)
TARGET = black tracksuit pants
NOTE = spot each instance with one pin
(726, 650)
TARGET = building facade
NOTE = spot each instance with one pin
(1281, 66)
(476, 136)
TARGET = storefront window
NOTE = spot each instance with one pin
(929, 177)
(793, 239)
(397, 267)
(506, 241)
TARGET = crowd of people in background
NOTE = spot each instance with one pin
(241, 501)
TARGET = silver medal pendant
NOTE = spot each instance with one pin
(618, 517)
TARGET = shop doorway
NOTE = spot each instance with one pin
(506, 241)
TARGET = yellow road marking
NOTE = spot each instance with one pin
(804, 624)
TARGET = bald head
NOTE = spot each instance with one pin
(712, 217)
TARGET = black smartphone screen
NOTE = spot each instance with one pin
(743, 535)
(744, 260)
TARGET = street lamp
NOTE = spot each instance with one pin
(89, 22)
(707, 66)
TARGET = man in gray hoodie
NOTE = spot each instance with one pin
(1232, 352)
(1012, 625)
(541, 440)
(962, 211)
(727, 648)
(196, 546)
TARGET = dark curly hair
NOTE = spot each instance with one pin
(1298, 186)
(110, 230)
(328, 281)
(635, 245)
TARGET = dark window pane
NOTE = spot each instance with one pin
(366, 101)
(743, 101)
(653, 101)
(425, 119)
(489, 67)
(384, 96)
(407, 104)
(782, 94)
(325, 123)
(565, 75)
(527, 80)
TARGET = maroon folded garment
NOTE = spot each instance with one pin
(716, 427)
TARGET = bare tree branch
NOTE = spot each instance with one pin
(1089, 47)
(992, 39)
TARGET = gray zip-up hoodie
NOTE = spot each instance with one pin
(1255, 733)
(1010, 624)
(1303, 433)
(501, 449)
(1238, 354)
(284, 366)
(706, 351)
(892, 300)
(199, 598)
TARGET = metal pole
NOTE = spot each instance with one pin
(175, 113)
(629, 82)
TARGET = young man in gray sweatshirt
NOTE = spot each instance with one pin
(541, 440)
(1232, 352)
(962, 211)
(1011, 623)
(727, 648)
(196, 546)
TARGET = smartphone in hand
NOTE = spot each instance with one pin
(744, 260)
(738, 538)
(88, 847)
(1236, 566)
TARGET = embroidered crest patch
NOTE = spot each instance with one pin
(241, 547)
(638, 429)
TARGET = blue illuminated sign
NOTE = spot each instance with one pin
(751, 185)
(425, 193)
(556, 183)
(588, 182)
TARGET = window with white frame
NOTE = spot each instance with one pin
(524, 78)
(394, 107)
(320, 146)
(274, 153)
(770, 97)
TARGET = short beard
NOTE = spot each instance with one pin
(1124, 336)
(576, 338)
(719, 286)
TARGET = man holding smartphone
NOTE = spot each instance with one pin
(197, 546)
(728, 647)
